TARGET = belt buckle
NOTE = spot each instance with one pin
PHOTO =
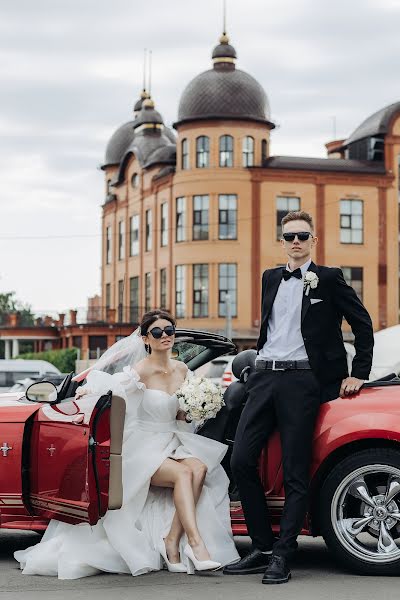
(273, 365)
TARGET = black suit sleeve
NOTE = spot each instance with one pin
(355, 313)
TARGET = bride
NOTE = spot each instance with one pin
(175, 508)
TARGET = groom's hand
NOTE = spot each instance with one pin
(350, 385)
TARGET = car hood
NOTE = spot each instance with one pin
(12, 410)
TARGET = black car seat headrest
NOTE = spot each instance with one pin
(246, 358)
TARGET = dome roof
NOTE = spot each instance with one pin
(224, 92)
(164, 155)
(376, 124)
(148, 115)
(118, 143)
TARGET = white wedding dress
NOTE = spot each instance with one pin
(127, 540)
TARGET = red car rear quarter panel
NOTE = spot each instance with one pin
(373, 413)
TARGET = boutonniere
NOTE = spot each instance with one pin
(310, 281)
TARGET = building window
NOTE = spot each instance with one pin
(108, 296)
(227, 286)
(226, 151)
(147, 300)
(134, 299)
(202, 152)
(284, 204)
(121, 241)
(148, 231)
(227, 217)
(351, 221)
(135, 180)
(134, 235)
(200, 291)
(180, 220)
(120, 301)
(163, 288)
(180, 277)
(200, 217)
(164, 224)
(354, 277)
(248, 151)
(185, 154)
(108, 245)
(264, 150)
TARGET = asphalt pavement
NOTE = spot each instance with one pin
(314, 576)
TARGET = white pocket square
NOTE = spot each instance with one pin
(315, 300)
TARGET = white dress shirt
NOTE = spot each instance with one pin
(284, 339)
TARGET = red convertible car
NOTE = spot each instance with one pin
(61, 458)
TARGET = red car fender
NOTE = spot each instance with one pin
(382, 426)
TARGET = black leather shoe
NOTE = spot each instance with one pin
(277, 570)
(254, 562)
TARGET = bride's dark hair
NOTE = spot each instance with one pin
(153, 315)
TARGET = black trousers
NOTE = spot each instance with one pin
(287, 401)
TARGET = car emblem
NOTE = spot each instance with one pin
(52, 449)
(5, 448)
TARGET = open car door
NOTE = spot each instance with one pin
(75, 466)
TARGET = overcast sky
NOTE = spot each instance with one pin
(71, 71)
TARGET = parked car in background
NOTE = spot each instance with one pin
(215, 369)
(13, 370)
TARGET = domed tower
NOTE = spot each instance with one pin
(223, 98)
(223, 130)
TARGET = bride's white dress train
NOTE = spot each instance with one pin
(127, 540)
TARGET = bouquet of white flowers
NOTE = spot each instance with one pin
(200, 398)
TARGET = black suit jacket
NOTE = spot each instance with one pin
(321, 326)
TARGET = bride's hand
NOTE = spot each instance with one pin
(181, 415)
(81, 391)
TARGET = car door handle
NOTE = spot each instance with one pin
(78, 419)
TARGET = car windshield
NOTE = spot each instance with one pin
(186, 351)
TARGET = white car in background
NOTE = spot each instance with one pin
(218, 371)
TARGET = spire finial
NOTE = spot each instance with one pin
(224, 39)
(150, 57)
(224, 17)
(144, 68)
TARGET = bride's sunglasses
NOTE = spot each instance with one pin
(157, 332)
(302, 236)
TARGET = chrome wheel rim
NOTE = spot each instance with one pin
(365, 513)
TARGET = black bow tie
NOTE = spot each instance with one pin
(288, 274)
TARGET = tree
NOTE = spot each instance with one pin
(10, 304)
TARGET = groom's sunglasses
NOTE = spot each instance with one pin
(157, 332)
(302, 236)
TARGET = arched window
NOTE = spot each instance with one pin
(135, 180)
(226, 151)
(264, 150)
(248, 151)
(185, 154)
(202, 152)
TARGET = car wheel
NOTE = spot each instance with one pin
(359, 511)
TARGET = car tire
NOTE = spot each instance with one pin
(345, 508)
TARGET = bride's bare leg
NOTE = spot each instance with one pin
(199, 471)
(180, 477)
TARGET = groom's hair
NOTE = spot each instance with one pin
(298, 215)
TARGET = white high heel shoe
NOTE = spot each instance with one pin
(199, 565)
(172, 567)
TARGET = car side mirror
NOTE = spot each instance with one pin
(42, 391)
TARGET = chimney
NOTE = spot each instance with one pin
(61, 317)
(48, 321)
(111, 315)
(13, 319)
(72, 317)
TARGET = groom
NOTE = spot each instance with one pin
(301, 361)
